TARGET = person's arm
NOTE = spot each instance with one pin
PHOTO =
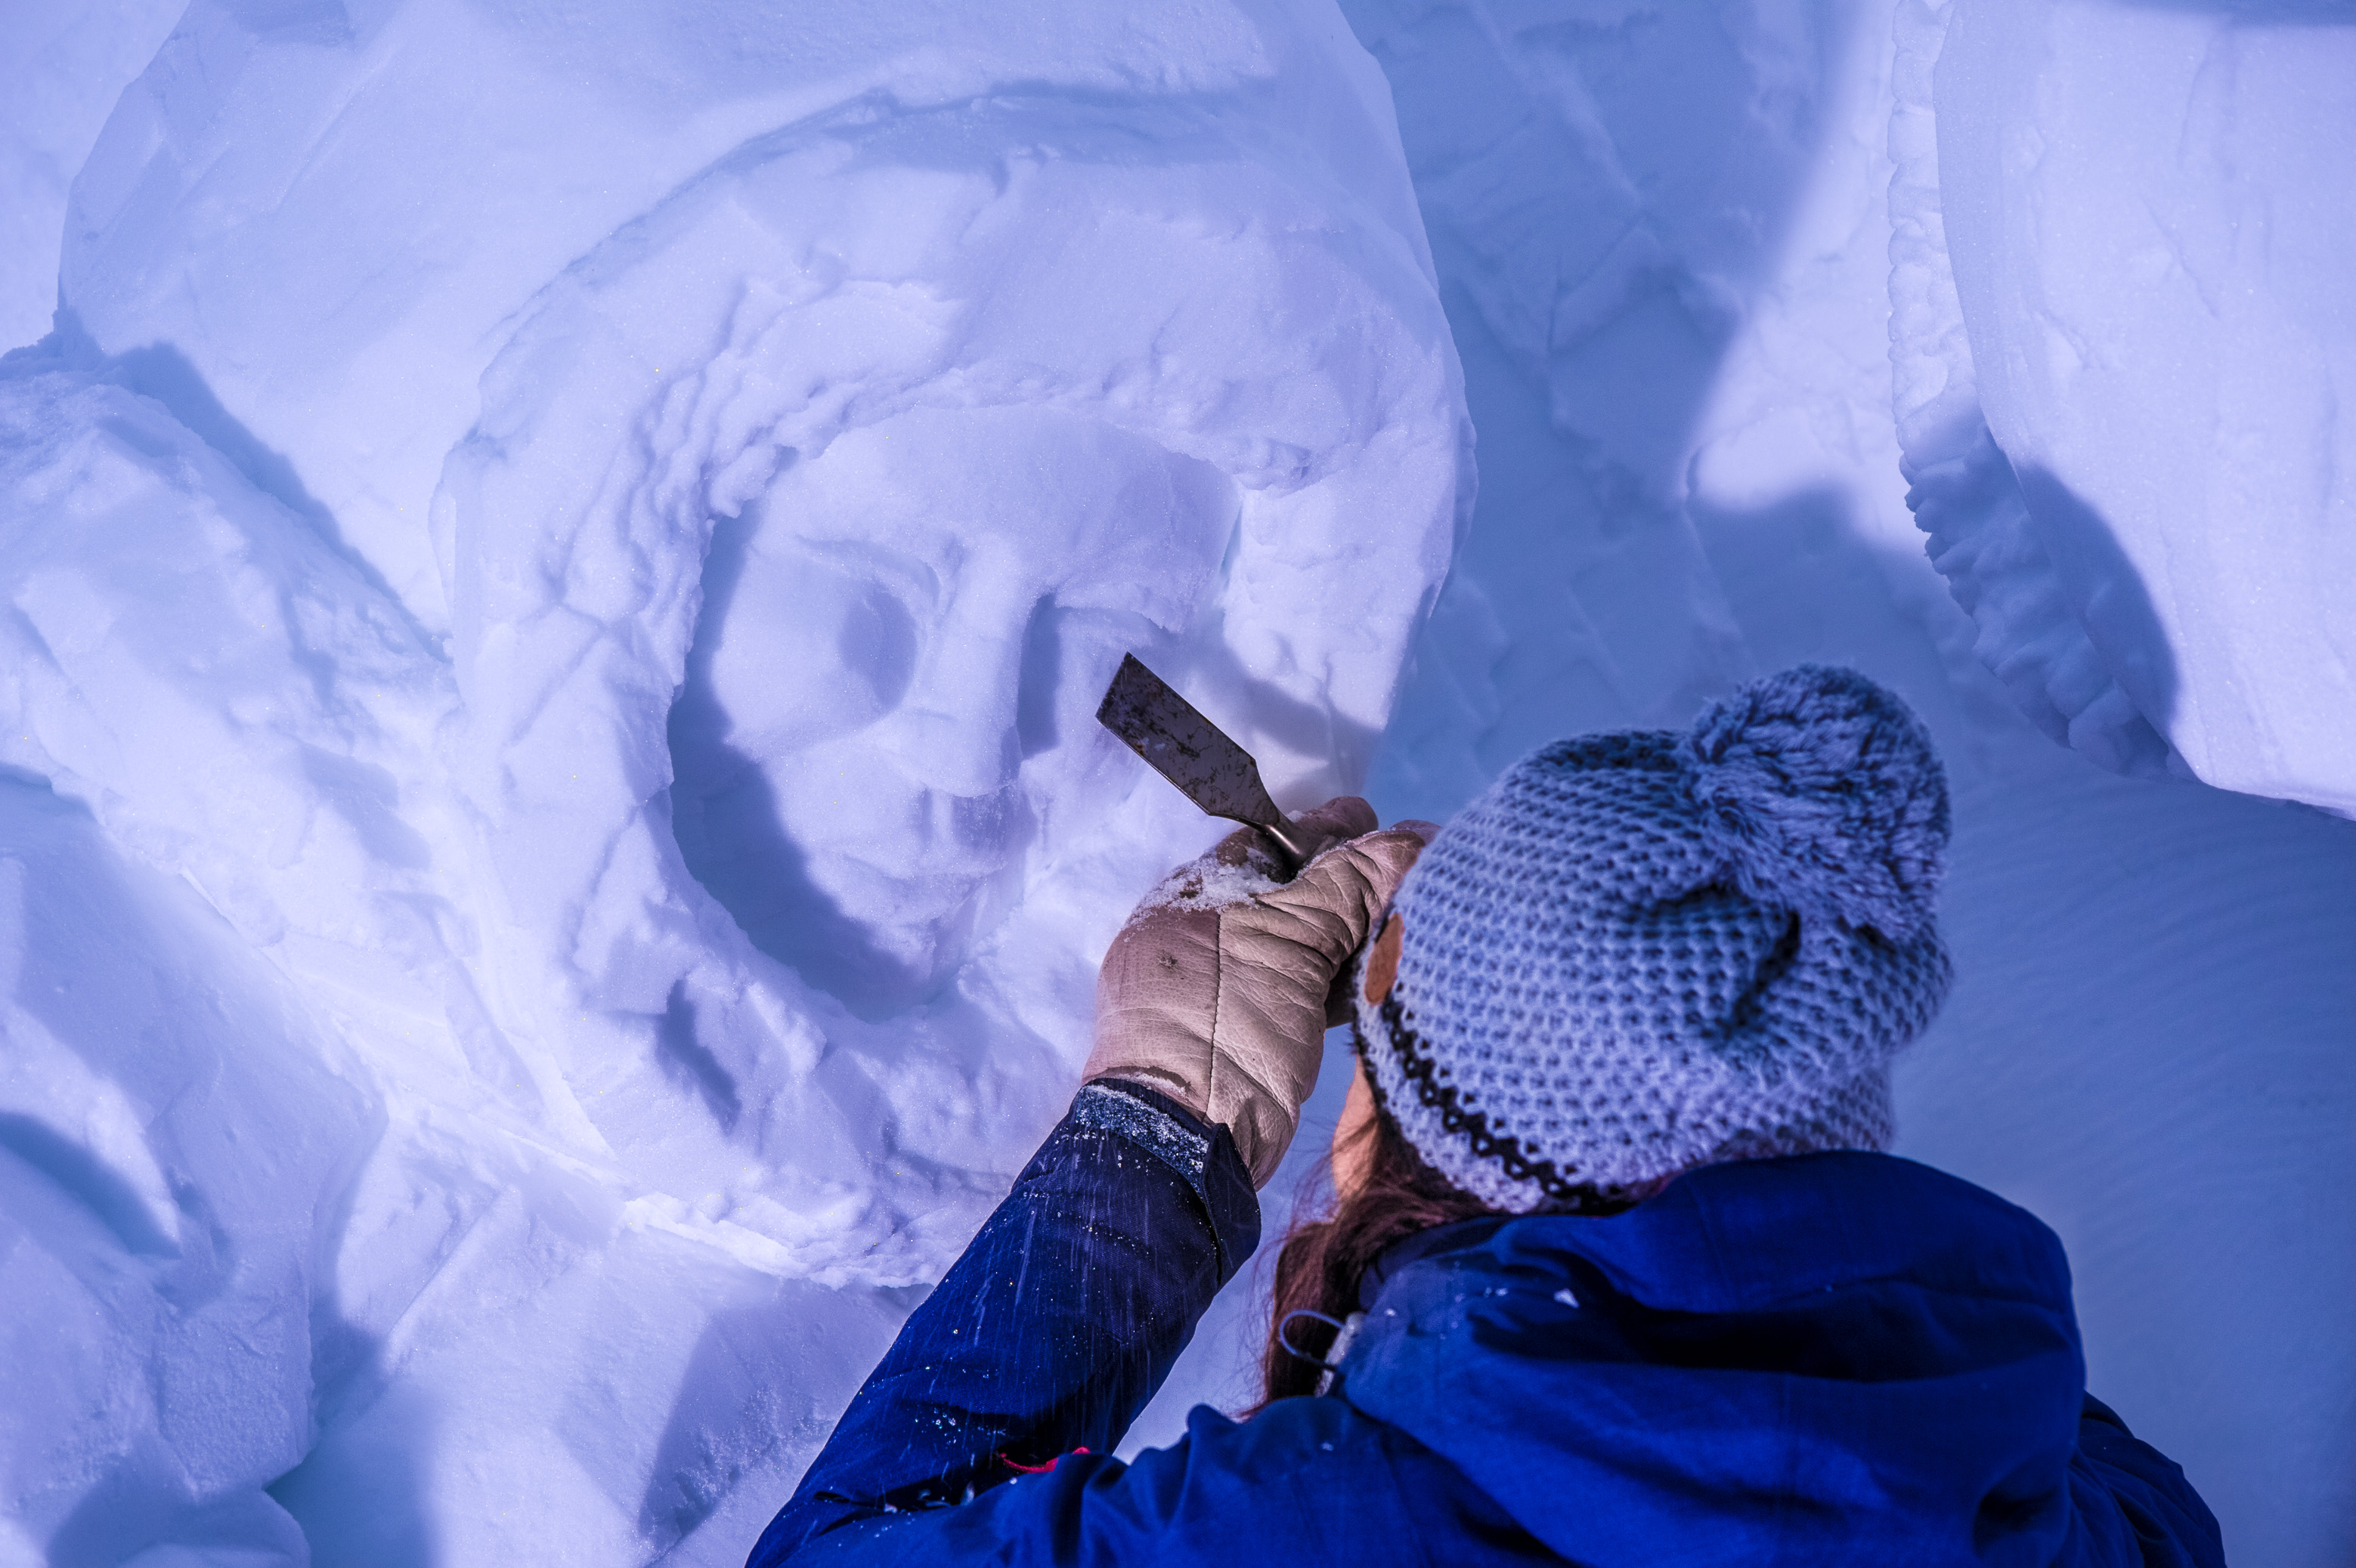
(1068, 1308)
(1056, 1327)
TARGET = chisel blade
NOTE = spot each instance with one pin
(1192, 753)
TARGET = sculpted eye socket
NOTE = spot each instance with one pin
(798, 643)
(877, 639)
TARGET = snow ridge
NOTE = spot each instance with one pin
(1961, 486)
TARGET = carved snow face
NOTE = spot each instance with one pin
(898, 642)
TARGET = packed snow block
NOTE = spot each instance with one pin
(220, 917)
(2124, 322)
(61, 69)
(236, 705)
(593, 543)
(173, 1141)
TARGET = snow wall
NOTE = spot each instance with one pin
(2124, 329)
(61, 69)
(1664, 237)
(558, 568)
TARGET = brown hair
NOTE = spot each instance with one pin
(1325, 1257)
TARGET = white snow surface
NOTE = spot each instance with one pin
(2125, 332)
(61, 69)
(558, 568)
(553, 849)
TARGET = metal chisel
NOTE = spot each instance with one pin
(1195, 754)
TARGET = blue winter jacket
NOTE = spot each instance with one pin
(1828, 1359)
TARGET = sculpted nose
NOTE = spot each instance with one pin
(948, 753)
(957, 727)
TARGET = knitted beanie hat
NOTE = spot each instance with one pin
(1645, 951)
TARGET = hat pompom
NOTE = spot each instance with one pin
(1820, 792)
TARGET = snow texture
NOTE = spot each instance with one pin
(61, 69)
(2124, 329)
(556, 569)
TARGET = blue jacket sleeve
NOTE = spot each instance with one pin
(1054, 1328)
(2134, 1507)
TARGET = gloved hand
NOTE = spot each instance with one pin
(1218, 990)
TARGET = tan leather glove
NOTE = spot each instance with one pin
(1217, 992)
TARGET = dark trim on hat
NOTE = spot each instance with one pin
(1418, 1066)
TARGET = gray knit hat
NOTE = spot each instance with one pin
(1647, 951)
